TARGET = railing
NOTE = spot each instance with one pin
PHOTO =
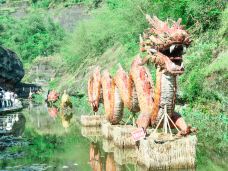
(9, 105)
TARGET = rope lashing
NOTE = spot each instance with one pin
(166, 126)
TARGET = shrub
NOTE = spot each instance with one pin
(106, 27)
(51, 3)
(32, 36)
(202, 14)
(2, 1)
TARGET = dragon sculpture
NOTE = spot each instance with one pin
(164, 43)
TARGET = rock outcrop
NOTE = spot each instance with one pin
(11, 68)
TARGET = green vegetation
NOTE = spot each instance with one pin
(39, 99)
(110, 36)
(2, 1)
(53, 3)
(205, 78)
(212, 136)
(108, 27)
(33, 36)
(199, 15)
(52, 148)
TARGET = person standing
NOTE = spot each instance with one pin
(1, 98)
(7, 98)
(11, 98)
(15, 99)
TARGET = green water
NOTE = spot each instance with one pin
(44, 140)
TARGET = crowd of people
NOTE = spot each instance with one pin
(8, 98)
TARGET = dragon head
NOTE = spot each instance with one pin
(165, 44)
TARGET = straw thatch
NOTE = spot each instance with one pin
(122, 136)
(127, 90)
(125, 156)
(145, 91)
(91, 120)
(94, 131)
(107, 129)
(163, 151)
(113, 103)
(108, 145)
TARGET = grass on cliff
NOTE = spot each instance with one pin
(34, 35)
(205, 77)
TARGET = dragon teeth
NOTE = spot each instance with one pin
(153, 50)
(171, 48)
(184, 49)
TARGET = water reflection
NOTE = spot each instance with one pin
(110, 162)
(108, 145)
(104, 155)
(99, 160)
(12, 127)
(55, 142)
(49, 141)
(50, 119)
(12, 124)
(92, 133)
(53, 112)
(95, 157)
(125, 156)
(66, 118)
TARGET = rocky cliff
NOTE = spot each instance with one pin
(11, 68)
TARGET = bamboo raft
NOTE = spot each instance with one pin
(91, 120)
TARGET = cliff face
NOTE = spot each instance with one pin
(11, 68)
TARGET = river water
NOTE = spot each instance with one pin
(41, 138)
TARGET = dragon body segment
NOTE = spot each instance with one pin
(144, 88)
(113, 103)
(127, 90)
